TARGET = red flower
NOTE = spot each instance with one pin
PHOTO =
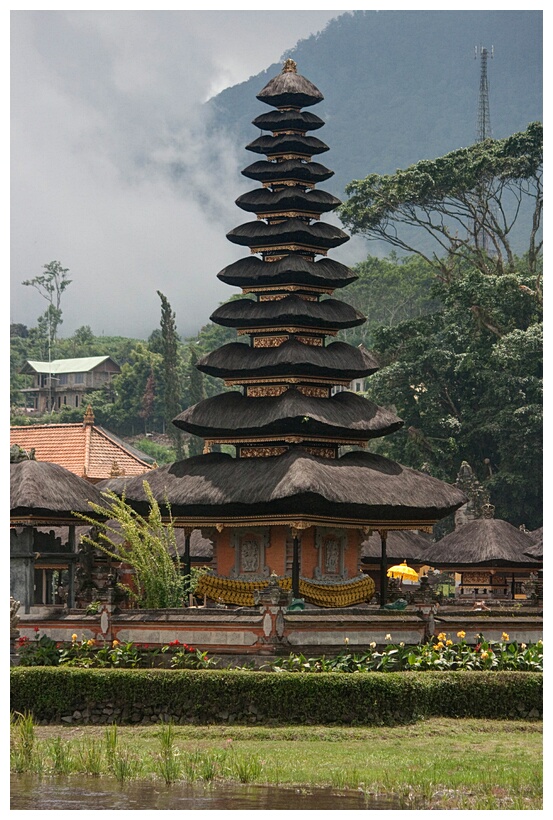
(145, 646)
(174, 643)
(477, 647)
(37, 629)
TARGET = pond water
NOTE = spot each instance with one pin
(62, 793)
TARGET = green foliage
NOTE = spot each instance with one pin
(159, 452)
(467, 381)
(209, 696)
(149, 547)
(439, 653)
(172, 372)
(468, 201)
(41, 651)
(51, 284)
(388, 292)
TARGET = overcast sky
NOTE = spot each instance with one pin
(101, 103)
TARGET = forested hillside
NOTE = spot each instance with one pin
(401, 86)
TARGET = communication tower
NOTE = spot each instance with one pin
(483, 125)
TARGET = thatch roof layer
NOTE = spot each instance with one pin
(358, 486)
(292, 269)
(292, 358)
(259, 233)
(289, 88)
(290, 169)
(329, 313)
(483, 542)
(401, 545)
(288, 120)
(536, 550)
(343, 415)
(287, 144)
(263, 200)
(40, 488)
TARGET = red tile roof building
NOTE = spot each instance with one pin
(83, 448)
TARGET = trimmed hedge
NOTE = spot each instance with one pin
(216, 696)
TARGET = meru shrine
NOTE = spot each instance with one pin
(288, 512)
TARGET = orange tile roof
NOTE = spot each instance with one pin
(84, 449)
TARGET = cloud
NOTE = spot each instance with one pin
(113, 171)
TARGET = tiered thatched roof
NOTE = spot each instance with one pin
(290, 270)
(483, 542)
(344, 415)
(42, 491)
(329, 314)
(360, 488)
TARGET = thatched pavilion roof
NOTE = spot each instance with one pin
(289, 170)
(287, 144)
(328, 314)
(294, 269)
(344, 415)
(483, 542)
(288, 120)
(401, 545)
(40, 490)
(319, 235)
(358, 488)
(337, 360)
(290, 88)
(535, 551)
(265, 201)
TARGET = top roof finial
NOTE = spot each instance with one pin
(290, 66)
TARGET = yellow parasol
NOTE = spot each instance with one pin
(403, 572)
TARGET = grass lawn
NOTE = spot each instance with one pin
(445, 763)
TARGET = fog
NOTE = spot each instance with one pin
(105, 105)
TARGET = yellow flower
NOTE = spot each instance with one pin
(442, 636)
(346, 640)
(115, 643)
(372, 645)
(388, 637)
(484, 655)
(505, 637)
(461, 634)
(74, 637)
(90, 642)
(449, 643)
(439, 645)
(402, 643)
(523, 646)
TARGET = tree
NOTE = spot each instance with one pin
(467, 381)
(196, 391)
(172, 373)
(51, 286)
(389, 291)
(456, 201)
(148, 545)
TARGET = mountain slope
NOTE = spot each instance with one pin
(401, 86)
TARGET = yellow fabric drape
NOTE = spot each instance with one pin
(241, 593)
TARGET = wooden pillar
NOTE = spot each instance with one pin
(383, 568)
(186, 558)
(296, 529)
(72, 546)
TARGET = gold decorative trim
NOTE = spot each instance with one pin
(256, 392)
(289, 439)
(316, 392)
(289, 133)
(288, 288)
(288, 215)
(287, 380)
(287, 520)
(286, 330)
(322, 452)
(261, 452)
(269, 341)
(289, 67)
(289, 183)
(311, 341)
(275, 248)
(276, 297)
(283, 157)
